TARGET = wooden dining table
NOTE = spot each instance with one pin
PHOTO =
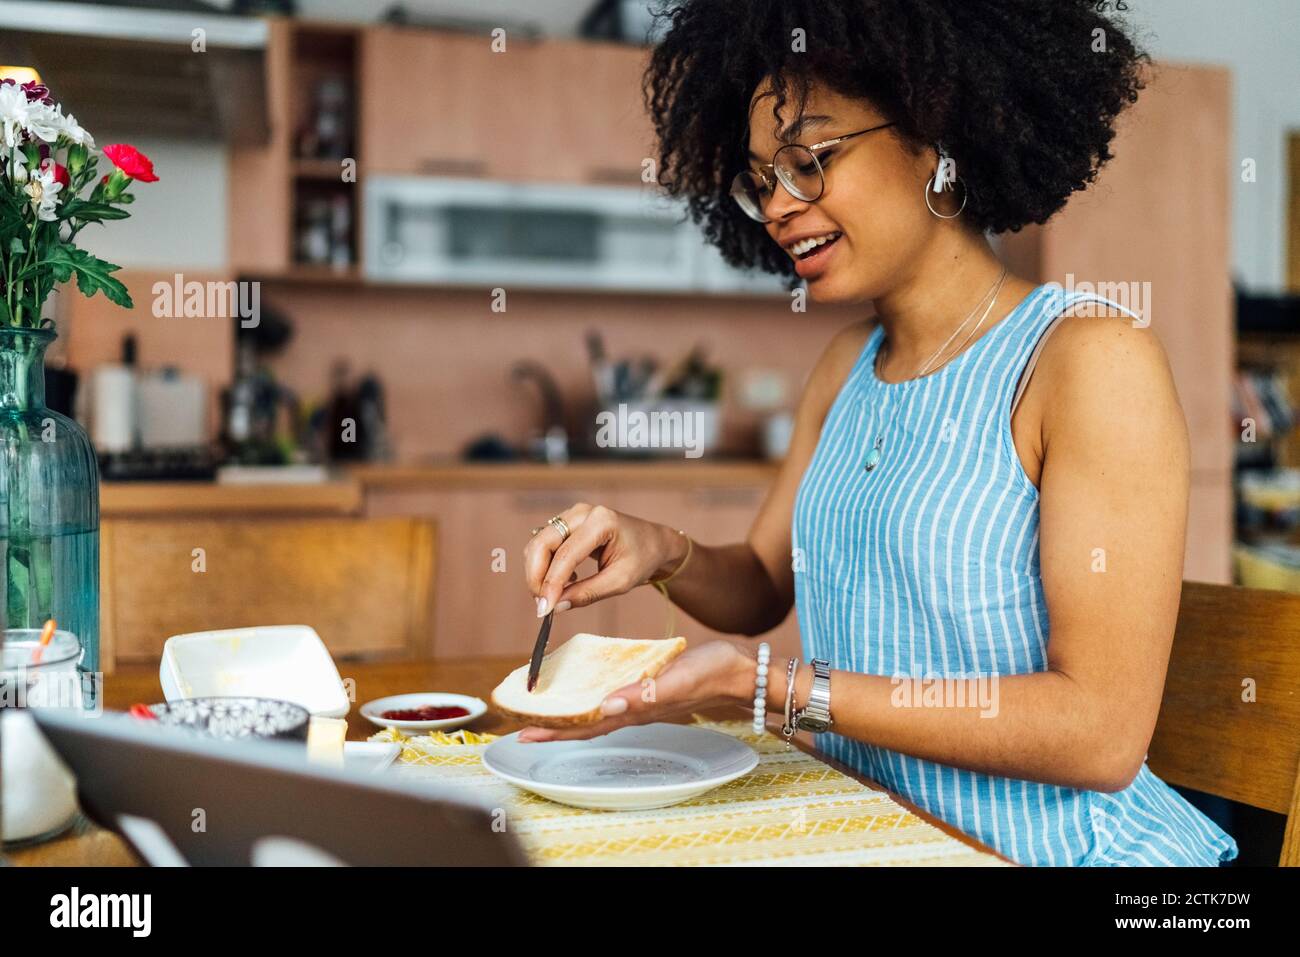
(88, 845)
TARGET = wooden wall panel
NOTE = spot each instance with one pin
(1158, 218)
(1293, 213)
(91, 333)
(445, 357)
(260, 184)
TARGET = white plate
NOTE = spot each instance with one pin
(369, 757)
(373, 710)
(288, 662)
(633, 768)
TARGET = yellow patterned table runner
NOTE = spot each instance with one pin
(792, 809)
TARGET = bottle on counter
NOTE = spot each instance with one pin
(343, 423)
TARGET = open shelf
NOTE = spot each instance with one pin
(325, 208)
(330, 170)
(1268, 315)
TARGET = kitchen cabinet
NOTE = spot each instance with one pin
(431, 104)
(445, 104)
(482, 607)
(261, 201)
(481, 516)
(608, 137)
(711, 515)
(273, 187)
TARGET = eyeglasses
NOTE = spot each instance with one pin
(798, 168)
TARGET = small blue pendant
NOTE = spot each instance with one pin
(873, 457)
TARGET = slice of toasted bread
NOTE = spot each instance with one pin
(577, 676)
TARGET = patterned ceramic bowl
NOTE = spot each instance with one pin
(236, 717)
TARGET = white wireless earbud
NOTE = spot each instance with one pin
(945, 174)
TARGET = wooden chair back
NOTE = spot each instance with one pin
(1229, 721)
(365, 585)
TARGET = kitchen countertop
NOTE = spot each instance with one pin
(584, 472)
(345, 494)
(118, 499)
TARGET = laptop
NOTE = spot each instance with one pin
(179, 799)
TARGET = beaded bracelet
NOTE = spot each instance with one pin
(787, 728)
(760, 688)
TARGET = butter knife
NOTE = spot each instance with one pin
(539, 650)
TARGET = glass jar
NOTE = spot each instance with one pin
(49, 506)
(38, 795)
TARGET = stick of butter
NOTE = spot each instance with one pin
(325, 738)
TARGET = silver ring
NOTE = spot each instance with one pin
(558, 524)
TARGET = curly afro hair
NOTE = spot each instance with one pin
(1012, 89)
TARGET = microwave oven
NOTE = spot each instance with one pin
(463, 232)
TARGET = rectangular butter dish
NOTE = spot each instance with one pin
(288, 662)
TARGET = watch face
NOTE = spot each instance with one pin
(809, 723)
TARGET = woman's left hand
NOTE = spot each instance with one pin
(706, 676)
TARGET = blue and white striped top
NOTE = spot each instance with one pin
(928, 566)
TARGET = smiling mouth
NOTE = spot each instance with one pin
(807, 248)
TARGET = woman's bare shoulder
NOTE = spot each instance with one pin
(832, 369)
(846, 345)
(1108, 369)
(1100, 347)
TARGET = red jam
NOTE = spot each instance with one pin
(428, 712)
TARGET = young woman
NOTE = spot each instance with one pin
(941, 512)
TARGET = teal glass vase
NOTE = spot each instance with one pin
(49, 506)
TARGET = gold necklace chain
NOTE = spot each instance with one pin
(924, 367)
(875, 453)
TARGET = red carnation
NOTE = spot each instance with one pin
(60, 172)
(131, 162)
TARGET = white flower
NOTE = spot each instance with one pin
(37, 119)
(44, 193)
(73, 132)
(18, 166)
(45, 122)
(13, 114)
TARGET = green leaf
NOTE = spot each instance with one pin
(17, 247)
(89, 212)
(11, 215)
(93, 275)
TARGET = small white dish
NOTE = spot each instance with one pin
(631, 769)
(373, 711)
(369, 757)
(287, 662)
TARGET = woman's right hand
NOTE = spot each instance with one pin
(628, 551)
